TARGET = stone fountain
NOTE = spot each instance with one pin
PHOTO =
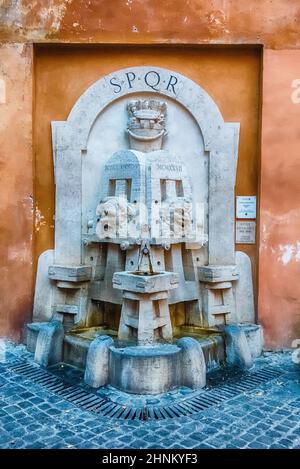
(144, 290)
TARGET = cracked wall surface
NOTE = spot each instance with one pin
(272, 23)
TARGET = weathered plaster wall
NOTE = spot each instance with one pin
(272, 23)
(279, 273)
(16, 193)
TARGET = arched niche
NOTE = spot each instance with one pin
(70, 147)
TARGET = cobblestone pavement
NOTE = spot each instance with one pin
(265, 417)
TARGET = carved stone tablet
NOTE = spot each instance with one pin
(245, 232)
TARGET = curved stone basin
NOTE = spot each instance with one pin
(144, 369)
(77, 342)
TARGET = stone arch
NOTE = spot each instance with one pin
(188, 93)
(70, 143)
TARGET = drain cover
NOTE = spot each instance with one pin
(92, 402)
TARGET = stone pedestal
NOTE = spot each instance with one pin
(238, 352)
(145, 312)
(96, 371)
(193, 366)
(218, 299)
(49, 344)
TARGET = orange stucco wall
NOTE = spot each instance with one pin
(273, 24)
(16, 189)
(279, 273)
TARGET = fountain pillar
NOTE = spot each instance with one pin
(145, 312)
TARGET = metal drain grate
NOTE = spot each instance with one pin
(92, 402)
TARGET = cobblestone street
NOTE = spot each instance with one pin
(265, 417)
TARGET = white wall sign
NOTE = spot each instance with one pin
(246, 206)
(245, 232)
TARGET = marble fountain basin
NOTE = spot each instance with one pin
(150, 369)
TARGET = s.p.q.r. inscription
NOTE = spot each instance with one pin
(149, 79)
